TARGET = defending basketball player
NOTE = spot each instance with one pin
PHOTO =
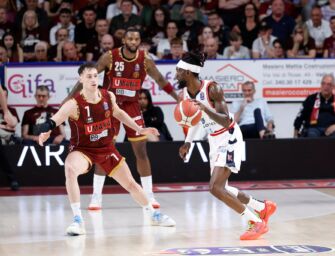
(90, 115)
(225, 140)
(125, 70)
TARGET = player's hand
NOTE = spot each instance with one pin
(149, 130)
(183, 150)
(201, 106)
(43, 137)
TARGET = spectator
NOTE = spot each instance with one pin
(232, 11)
(14, 51)
(278, 50)
(3, 55)
(329, 44)
(189, 27)
(153, 117)
(5, 25)
(317, 115)
(206, 32)
(85, 31)
(147, 10)
(265, 8)
(318, 29)
(236, 50)
(301, 45)
(114, 9)
(7, 131)
(126, 19)
(248, 27)
(253, 114)
(70, 52)
(65, 16)
(10, 9)
(178, 7)
(176, 50)
(11, 122)
(38, 115)
(164, 47)
(146, 45)
(55, 51)
(211, 47)
(95, 5)
(107, 43)
(31, 34)
(41, 51)
(93, 47)
(262, 47)
(52, 8)
(328, 10)
(220, 30)
(32, 5)
(282, 25)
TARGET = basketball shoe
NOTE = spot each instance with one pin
(95, 203)
(160, 219)
(77, 227)
(255, 230)
(269, 209)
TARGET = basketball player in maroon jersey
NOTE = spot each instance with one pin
(90, 114)
(125, 70)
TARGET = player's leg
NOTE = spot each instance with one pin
(217, 187)
(123, 176)
(100, 176)
(75, 164)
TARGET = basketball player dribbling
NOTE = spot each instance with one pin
(225, 140)
(90, 114)
(125, 70)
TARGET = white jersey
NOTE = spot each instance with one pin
(225, 143)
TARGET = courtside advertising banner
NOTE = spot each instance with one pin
(283, 80)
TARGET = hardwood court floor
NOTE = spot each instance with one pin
(35, 225)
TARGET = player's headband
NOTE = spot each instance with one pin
(188, 66)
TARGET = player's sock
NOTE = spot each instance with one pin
(256, 204)
(149, 208)
(98, 184)
(76, 209)
(249, 215)
(147, 185)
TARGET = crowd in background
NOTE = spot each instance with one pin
(73, 30)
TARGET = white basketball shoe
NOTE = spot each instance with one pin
(160, 219)
(77, 227)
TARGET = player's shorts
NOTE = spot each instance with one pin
(226, 150)
(132, 108)
(108, 158)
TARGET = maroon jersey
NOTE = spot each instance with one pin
(93, 127)
(126, 76)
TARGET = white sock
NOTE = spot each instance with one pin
(76, 209)
(149, 208)
(147, 185)
(256, 205)
(98, 184)
(249, 215)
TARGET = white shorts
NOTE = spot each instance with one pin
(226, 151)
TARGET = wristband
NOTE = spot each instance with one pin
(47, 126)
(168, 88)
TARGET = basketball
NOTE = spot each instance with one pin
(187, 114)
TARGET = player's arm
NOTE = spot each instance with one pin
(159, 79)
(123, 117)
(68, 109)
(101, 64)
(221, 114)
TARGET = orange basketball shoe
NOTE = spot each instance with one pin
(270, 208)
(255, 230)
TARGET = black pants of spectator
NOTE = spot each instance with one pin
(5, 167)
(251, 131)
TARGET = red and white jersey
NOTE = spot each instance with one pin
(212, 128)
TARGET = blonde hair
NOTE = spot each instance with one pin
(23, 25)
(305, 32)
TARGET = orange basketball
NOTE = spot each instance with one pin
(187, 114)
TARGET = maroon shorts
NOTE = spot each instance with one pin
(132, 108)
(108, 158)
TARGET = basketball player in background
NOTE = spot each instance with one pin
(90, 115)
(225, 140)
(125, 70)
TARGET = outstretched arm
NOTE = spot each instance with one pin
(68, 109)
(123, 117)
(221, 113)
(159, 79)
(103, 62)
